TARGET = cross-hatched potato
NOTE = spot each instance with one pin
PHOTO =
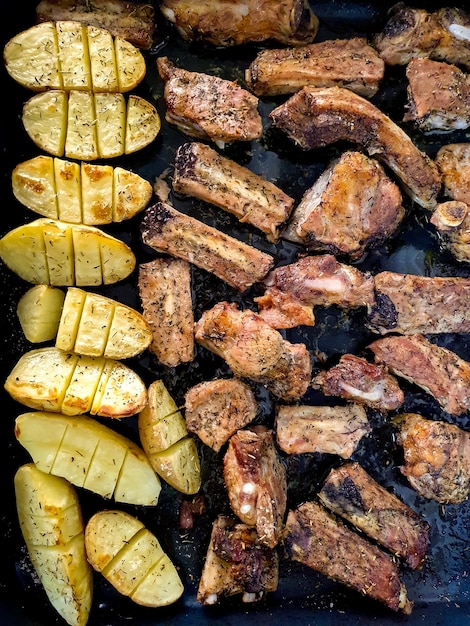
(39, 310)
(51, 379)
(131, 558)
(52, 252)
(89, 455)
(85, 125)
(54, 533)
(68, 55)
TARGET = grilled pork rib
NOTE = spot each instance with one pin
(452, 221)
(255, 350)
(350, 63)
(453, 161)
(314, 118)
(203, 173)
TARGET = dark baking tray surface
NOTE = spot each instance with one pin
(441, 590)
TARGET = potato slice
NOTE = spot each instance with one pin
(73, 55)
(84, 450)
(179, 466)
(97, 194)
(45, 119)
(39, 311)
(131, 558)
(103, 68)
(33, 184)
(54, 533)
(142, 122)
(50, 379)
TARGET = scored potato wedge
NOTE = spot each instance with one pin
(54, 533)
(90, 455)
(56, 253)
(132, 559)
(84, 125)
(69, 55)
(39, 310)
(50, 379)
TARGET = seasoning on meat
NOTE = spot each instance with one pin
(452, 221)
(453, 162)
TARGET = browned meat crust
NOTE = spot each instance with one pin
(350, 492)
(452, 221)
(350, 63)
(453, 161)
(313, 118)
(165, 229)
(202, 172)
(316, 539)
(436, 458)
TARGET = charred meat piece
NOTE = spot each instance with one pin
(216, 409)
(452, 221)
(237, 563)
(203, 173)
(314, 118)
(317, 539)
(255, 350)
(410, 304)
(354, 378)
(349, 491)
(323, 429)
(208, 107)
(350, 63)
(292, 290)
(165, 293)
(438, 96)
(436, 458)
(437, 370)
(351, 207)
(453, 161)
(167, 230)
(256, 483)
(222, 23)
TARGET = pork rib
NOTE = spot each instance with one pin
(453, 162)
(452, 221)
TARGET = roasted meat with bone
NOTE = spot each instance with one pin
(453, 161)
(349, 491)
(200, 171)
(351, 207)
(208, 107)
(437, 370)
(350, 63)
(317, 117)
(452, 221)
(255, 350)
(256, 483)
(436, 458)
(314, 537)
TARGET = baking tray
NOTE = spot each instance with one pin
(441, 589)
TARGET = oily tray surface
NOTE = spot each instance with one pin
(441, 589)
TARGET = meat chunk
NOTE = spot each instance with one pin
(355, 379)
(313, 118)
(202, 172)
(452, 221)
(436, 458)
(167, 230)
(351, 207)
(410, 304)
(216, 409)
(350, 63)
(237, 563)
(349, 491)
(221, 23)
(256, 482)
(438, 96)
(255, 350)
(453, 161)
(323, 429)
(292, 290)
(315, 538)
(437, 370)
(208, 107)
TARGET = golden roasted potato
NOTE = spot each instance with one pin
(56, 253)
(79, 193)
(54, 533)
(131, 558)
(86, 126)
(39, 311)
(89, 455)
(69, 55)
(50, 379)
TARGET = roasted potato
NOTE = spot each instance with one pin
(79, 193)
(52, 252)
(86, 126)
(68, 55)
(89, 455)
(50, 379)
(54, 533)
(39, 311)
(131, 558)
